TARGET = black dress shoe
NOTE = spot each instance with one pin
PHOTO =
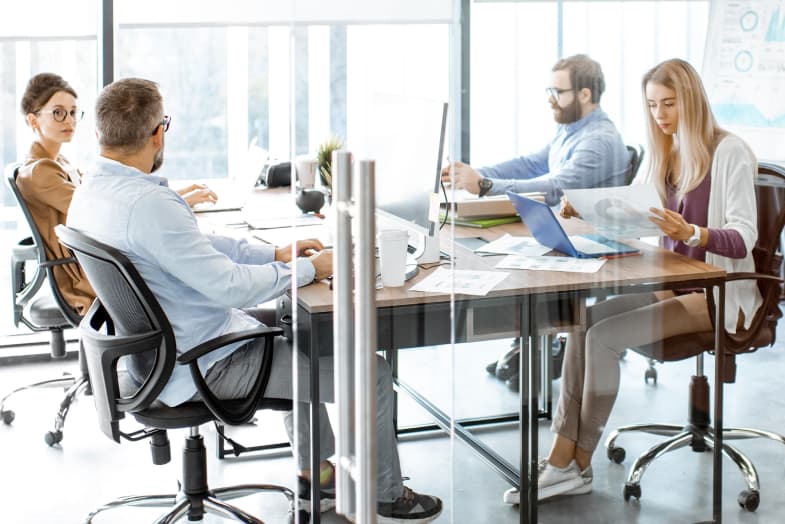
(491, 368)
(508, 364)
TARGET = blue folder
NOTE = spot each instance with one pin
(546, 229)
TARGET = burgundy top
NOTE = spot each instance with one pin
(694, 207)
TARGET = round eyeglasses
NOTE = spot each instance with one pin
(555, 92)
(59, 114)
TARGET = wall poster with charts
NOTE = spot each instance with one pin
(744, 71)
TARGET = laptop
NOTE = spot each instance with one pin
(234, 192)
(546, 229)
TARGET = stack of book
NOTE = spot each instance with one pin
(473, 211)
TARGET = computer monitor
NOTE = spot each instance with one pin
(405, 136)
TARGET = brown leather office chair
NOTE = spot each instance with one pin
(698, 433)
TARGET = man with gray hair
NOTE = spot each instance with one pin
(203, 281)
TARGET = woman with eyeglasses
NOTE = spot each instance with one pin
(47, 180)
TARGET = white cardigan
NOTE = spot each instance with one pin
(732, 205)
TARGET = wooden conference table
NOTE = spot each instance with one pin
(408, 319)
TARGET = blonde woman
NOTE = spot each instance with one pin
(705, 178)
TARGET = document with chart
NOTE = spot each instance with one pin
(618, 212)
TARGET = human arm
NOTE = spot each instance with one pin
(586, 166)
(46, 183)
(227, 271)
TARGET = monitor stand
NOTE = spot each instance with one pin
(427, 251)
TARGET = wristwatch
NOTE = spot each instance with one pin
(485, 185)
(695, 239)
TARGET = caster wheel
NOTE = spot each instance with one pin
(749, 499)
(617, 455)
(8, 416)
(650, 374)
(53, 437)
(632, 490)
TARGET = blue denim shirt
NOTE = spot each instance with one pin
(200, 280)
(587, 153)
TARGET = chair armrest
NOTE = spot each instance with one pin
(239, 411)
(751, 276)
(58, 262)
(224, 340)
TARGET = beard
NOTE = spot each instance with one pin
(568, 114)
(158, 161)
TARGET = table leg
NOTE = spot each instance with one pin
(314, 417)
(529, 367)
(719, 367)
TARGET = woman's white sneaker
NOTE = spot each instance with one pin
(553, 482)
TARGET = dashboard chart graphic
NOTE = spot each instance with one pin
(744, 70)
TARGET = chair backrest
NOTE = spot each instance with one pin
(126, 320)
(767, 253)
(73, 318)
(635, 152)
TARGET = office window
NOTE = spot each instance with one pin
(515, 44)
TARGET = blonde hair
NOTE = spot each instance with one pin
(698, 132)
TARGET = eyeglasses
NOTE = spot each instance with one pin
(164, 122)
(59, 114)
(555, 92)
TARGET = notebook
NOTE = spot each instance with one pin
(234, 192)
(546, 229)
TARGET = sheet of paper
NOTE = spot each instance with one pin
(566, 264)
(618, 212)
(465, 282)
(511, 245)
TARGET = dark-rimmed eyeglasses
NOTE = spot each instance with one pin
(165, 121)
(555, 92)
(59, 114)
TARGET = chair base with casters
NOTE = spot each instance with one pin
(43, 311)
(699, 435)
(195, 498)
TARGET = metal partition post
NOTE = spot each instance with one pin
(365, 337)
(343, 330)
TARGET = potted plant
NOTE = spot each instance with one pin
(324, 157)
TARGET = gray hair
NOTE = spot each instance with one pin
(127, 112)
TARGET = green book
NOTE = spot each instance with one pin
(481, 222)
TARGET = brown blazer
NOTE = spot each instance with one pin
(47, 189)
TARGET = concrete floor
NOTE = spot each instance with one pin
(62, 484)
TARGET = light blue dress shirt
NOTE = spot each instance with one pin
(200, 280)
(587, 153)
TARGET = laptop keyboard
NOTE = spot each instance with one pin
(590, 247)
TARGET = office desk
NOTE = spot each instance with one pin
(413, 319)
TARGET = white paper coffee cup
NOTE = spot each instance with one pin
(392, 256)
(306, 167)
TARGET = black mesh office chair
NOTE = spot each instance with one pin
(127, 323)
(770, 193)
(46, 310)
